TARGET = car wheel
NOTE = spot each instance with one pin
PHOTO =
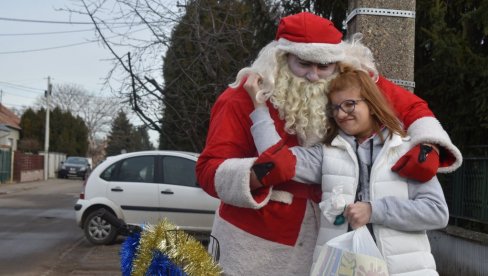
(98, 231)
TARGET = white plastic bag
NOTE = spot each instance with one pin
(352, 254)
(334, 205)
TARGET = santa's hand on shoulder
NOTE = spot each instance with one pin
(276, 165)
(420, 163)
(253, 86)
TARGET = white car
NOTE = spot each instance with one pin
(144, 187)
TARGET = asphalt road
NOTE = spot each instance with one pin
(39, 235)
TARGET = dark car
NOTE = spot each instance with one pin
(74, 166)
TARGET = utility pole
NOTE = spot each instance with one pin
(388, 28)
(46, 136)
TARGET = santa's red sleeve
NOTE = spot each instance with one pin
(223, 168)
(420, 123)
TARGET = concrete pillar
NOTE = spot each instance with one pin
(388, 28)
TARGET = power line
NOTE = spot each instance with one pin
(58, 32)
(61, 46)
(48, 33)
(21, 86)
(45, 49)
(14, 105)
(72, 22)
(44, 21)
(21, 96)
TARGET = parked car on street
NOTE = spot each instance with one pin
(144, 187)
(74, 166)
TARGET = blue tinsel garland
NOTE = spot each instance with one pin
(162, 249)
(127, 253)
(160, 265)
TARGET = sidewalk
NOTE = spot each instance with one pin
(8, 188)
(77, 257)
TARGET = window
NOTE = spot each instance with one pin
(109, 173)
(135, 169)
(77, 160)
(179, 171)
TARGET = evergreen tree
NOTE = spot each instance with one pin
(67, 133)
(32, 126)
(451, 72)
(213, 40)
(119, 139)
(141, 138)
(124, 137)
(31, 139)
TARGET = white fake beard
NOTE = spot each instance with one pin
(301, 104)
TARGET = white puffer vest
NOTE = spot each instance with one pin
(406, 253)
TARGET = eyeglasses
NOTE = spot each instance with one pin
(347, 106)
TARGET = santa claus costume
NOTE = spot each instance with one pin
(273, 230)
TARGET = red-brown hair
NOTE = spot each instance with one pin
(381, 110)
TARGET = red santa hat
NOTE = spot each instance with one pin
(311, 38)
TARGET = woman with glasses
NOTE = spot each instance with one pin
(364, 139)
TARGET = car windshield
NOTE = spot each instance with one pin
(76, 160)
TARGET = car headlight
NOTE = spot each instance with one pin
(82, 169)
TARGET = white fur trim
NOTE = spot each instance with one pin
(232, 183)
(281, 196)
(322, 53)
(359, 56)
(429, 130)
(242, 253)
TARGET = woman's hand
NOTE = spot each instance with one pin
(358, 214)
(252, 86)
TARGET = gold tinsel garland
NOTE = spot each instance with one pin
(181, 248)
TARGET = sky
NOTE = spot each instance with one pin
(25, 66)
(30, 52)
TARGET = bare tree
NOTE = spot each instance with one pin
(97, 112)
(214, 40)
(137, 35)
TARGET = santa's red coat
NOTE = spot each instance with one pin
(224, 165)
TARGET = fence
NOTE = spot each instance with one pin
(28, 167)
(54, 159)
(5, 164)
(463, 250)
(466, 191)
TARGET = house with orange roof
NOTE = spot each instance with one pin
(9, 128)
